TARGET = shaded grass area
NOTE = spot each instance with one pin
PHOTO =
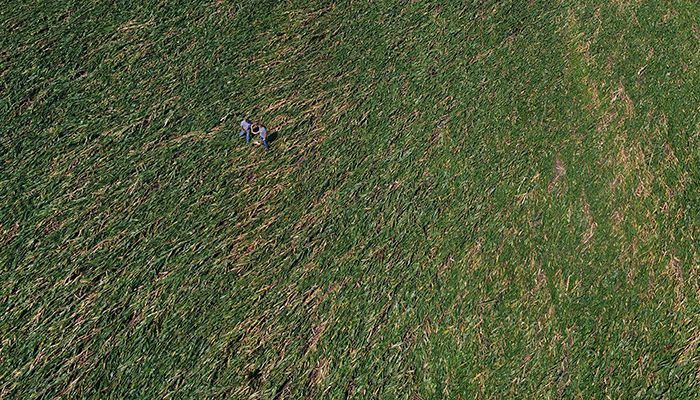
(495, 199)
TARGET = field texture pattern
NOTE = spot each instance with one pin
(463, 199)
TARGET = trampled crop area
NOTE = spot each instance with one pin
(463, 199)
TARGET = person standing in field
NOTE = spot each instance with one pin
(262, 131)
(245, 129)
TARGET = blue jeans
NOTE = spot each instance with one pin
(247, 135)
(265, 144)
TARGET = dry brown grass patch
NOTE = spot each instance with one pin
(559, 173)
(6, 235)
(590, 221)
(674, 271)
(316, 333)
(318, 374)
(621, 94)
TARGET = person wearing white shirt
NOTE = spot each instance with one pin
(245, 129)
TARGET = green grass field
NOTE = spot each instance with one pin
(463, 199)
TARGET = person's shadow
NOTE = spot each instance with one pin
(272, 136)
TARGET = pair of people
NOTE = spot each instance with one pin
(248, 129)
